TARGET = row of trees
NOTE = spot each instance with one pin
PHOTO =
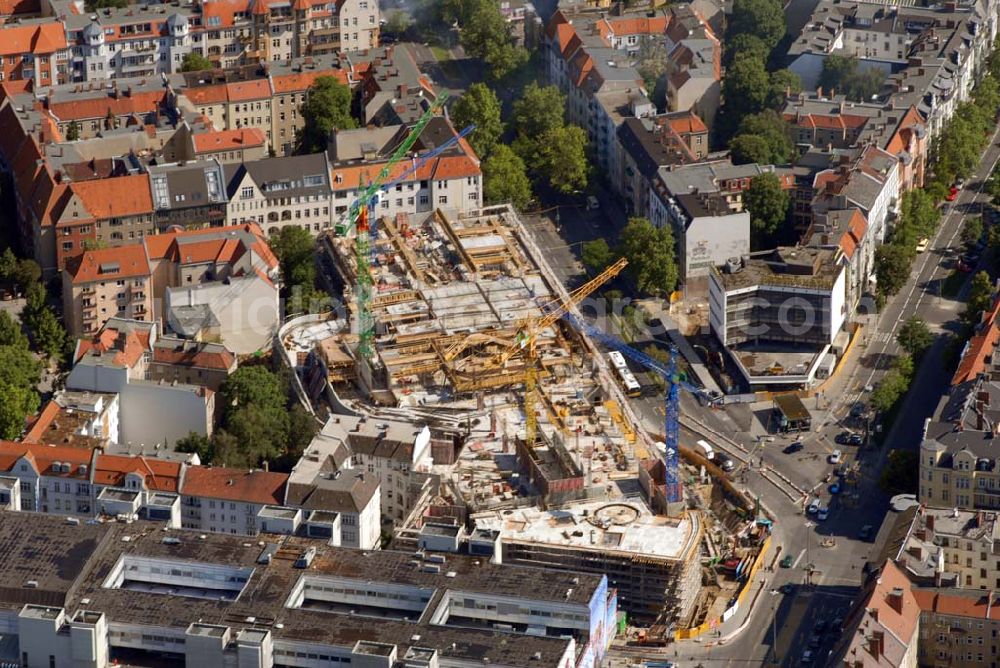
(650, 251)
(259, 423)
(295, 249)
(484, 34)
(43, 325)
(914, 338)
(556, 151)
(918, 219)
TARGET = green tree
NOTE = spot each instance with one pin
(262, 430)
(302, 427)
(397, 23)
(196, 443)
(746, 148)
(651, 256)
(919, 213)
(27, 274)
(901, 474)
(980, 296)
(252, 386)
(892, 267)
(327, 108)
(94, 5)
(48, 333)
(773, 129)
(745, 89)
(768, 205)
(972, 231)
(8, 265)
(505, 178)
(16, 404)
(904, 366)
(836, 69)
(651, 62)
(892, 386)
(10, 332)
(195, 62)
(914, 336)
(561, 158)
(73, 131)
(540, 109)
(763, 18)
(784, 82)
(745, 45)
(596, 255)
(18, 367)
(296, 251)
(958, 150)
(228, 451)
(486, 35)
(479, 106)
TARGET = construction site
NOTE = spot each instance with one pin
(470, 337)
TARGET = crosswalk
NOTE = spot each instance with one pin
(881, 337)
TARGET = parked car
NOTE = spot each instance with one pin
(952, 194)
(835, 457)
(593, 203)
(856, 439)
(843, 438)
(970, 258)
(857, 410)
(815, 640)
(792, 448)
(725, 462)
(787, 561)
(835, 488)
(814, 506)
(964, 268)
(820, 626)
(807, 657)
(922, 244)
(866, 532)
(822, 514)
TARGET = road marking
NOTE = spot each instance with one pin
(799, 558)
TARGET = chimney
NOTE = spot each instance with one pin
(819, 92)
(874, 613)
(980, 518)
(895, 599)
(876, 644)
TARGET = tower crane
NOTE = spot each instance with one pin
(526, 338)
(675, 383)
(359, 219)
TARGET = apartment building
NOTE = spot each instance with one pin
(99, 108)
(224, 500)
(958, 627)
(199, 363)
(107, 283)
(280, 192)
(266, 96)
(845, 232)
(153, 598)
(694, 64)
(948, 547)
(397, 453)
(885, 626)
(646, 144)
(794, 295)
(188, 195)
(452, 179)
(82, 419)
(229, 146)
(871, 183)
(34, 51)
(393, 90)
(355, 496)
(707, 233)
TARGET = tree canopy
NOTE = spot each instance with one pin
(561, 158)
(651, 255)
(486, 35)
(505, 178)
(764, 138)
(479, 106)
(980, 296)
(914, 336)
(745, 88)
(538, 110)
(892, 267)
(596, 255)
(768, 205)
(745, 45)
(763, 18)
(195, 62)
(327, 108)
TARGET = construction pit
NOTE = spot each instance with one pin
(450, 294)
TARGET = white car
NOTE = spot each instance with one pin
(835, 457)
(922, 244)
(822, 513)
(814, 506)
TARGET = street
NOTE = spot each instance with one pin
(835, 571)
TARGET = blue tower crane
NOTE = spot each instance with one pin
(675, 383)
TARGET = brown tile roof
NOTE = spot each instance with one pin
(37, 39)
(109, 264)
(300, 81)
(248, 90)
(159, 475)
(980, 348)
(263, 487)
(227, 140)
(117, 197)
(687, 124)
(128, 346)
(185, 354)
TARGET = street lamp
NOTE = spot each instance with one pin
(809, 565)
(774, 626)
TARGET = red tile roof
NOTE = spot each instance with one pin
(300, 81)
(262, 487)
(127, 354)
(225, 10)
(688, 124)
(248, 90)
(157, 474)
(8, 8)
(211, 94)
(228, 140)
(37, 430)
(44, 456)
(194, 356)
(109, 264)
(117, 197)
(138, 103)
(37, 39)
(981, 346)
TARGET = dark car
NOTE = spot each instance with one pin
(820, 626)
(843, 438)
(856, 439)
(866, 532)
(857, 410)
(792, 448)
(787, 561)
(970, 259)
(964, 268)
